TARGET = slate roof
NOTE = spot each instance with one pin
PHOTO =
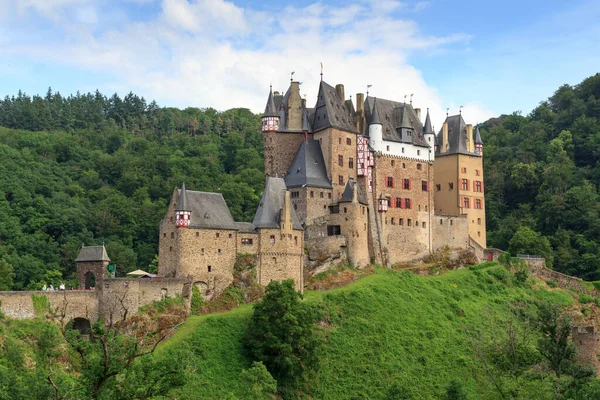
(268, 213)
(182, 203)
(349, 193)
(209, 211)
(427, 128)
(92, 253)
(308, 167)
(399, 120)
(331, 111)
(246, 227)
(375, 115)
(457, 137)
(478, 137)
(270, 110)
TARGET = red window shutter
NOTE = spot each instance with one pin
(402, 205)
(393, 202)
(428, 186)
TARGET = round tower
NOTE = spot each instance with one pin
(270, 118)
(375, 129)
(182, 211)
(478, 143)
(429, 135)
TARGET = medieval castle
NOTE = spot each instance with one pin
(370, 181)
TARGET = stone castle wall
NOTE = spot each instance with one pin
(280, 256)
(449, 230)
(65, 304)
(587, 341)
(280, 149)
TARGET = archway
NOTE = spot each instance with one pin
(82, 325)
(90, 280)
(202, 287)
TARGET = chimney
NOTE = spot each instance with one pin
(339, 88)
(276, 93)
(444, 148)
(470, 142)
(303, 103)
(418, 112)
(360, 112)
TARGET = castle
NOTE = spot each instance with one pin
(372, 182)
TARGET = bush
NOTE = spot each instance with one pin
(260, 385)
(551, 283)
(197, 301)
(585, 298)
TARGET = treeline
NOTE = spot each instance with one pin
(93, 169)
(542, 173)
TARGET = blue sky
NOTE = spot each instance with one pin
(490, 57)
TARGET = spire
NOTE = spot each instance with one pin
(182, 204)
(270, 110)
(478, 137)
(375, 114)
(427, 128)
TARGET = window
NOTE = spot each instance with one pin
(218, 235)
(197, 234)
(478, 221)
(401, 222)
(463, 170)
(441, 221)
(416, 223)
(334, 209)
(171, 219)
(246, 242)
(165, 235)
(295, 195)
(398, 202)
(272, 239)
(418, 152)
(345, 210)
(340, 180)
(312, 194)
(406, 184)
(419, 167)
(390, 181)
(340, 140)
(450, 186)
(296, 241)
(466, 202)
(403, 165)
(464, 184)
(209, 268)
(477, 172)
(230, 236)
(218, 251)
(478, 186)
(409, 222)
(202, 251)
(329, 195)
(341, 161)
(170, 249)
(478, 206)
(438, 187)
(425, 186)
(393, 221)
(407, 204)
(348, 141)
(172, 235)
(350, 162)
(403, 150)
(393, 163)
(321, 195)
(333, 230)
(479, 233)
(387, 148)
(423, 225)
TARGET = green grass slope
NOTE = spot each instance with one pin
(388, 329)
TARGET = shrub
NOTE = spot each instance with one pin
(41, 304)
(585, 298)
(521, 274)
(552, 283)
(260, 385)
(197, 301)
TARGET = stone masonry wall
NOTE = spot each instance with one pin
(450, 231)
(243, 246)
(70, 303)
(353, 222)
(280, 256)
(310, 202)
(587, 341)
(280, 149)
(167, 254)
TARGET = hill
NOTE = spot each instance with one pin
(389, 333)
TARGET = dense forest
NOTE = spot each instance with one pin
(94, 169)
(542, 173)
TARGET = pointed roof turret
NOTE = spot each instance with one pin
(305, 123)
(478, 137)
(375, 115)
(270, 110)
(92, 253)
(308, 167)
(269, 209)
(182, 204)
(427, 128)
(348, 195)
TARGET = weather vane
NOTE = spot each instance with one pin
(460, 109)
(292, 76)
(411, 95)
(368, 87)
(321, 70)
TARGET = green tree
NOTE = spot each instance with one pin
(259, 382)
(455, 391)
(282, 334)
(7, 275)
(527, 241)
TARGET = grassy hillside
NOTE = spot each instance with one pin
(389, 331)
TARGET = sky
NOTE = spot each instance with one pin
(491, 58)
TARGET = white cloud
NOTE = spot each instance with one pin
(212, 53)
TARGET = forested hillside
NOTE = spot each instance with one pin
(92, 169)
(542, 173)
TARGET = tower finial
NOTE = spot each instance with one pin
(321, 71)
(460, 109)
(411, 95)
(447, 109)
(292, 76)
(368, 87)
(405, 98)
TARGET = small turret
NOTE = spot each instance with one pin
(478, 143)
(383, 203)
(270, 118)
(375, 129)
(182, 210)
(428, 133)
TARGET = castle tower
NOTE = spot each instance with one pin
(182, 211)
(92, 266)
(375, 129)
(270, 118)
(280, 236)
(459, 188)
(353, 220)
(429, 135)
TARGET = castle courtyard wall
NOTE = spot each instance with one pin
(68, 303)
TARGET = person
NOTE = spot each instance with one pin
(44, 288)
(50, 287)
(62, 286)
